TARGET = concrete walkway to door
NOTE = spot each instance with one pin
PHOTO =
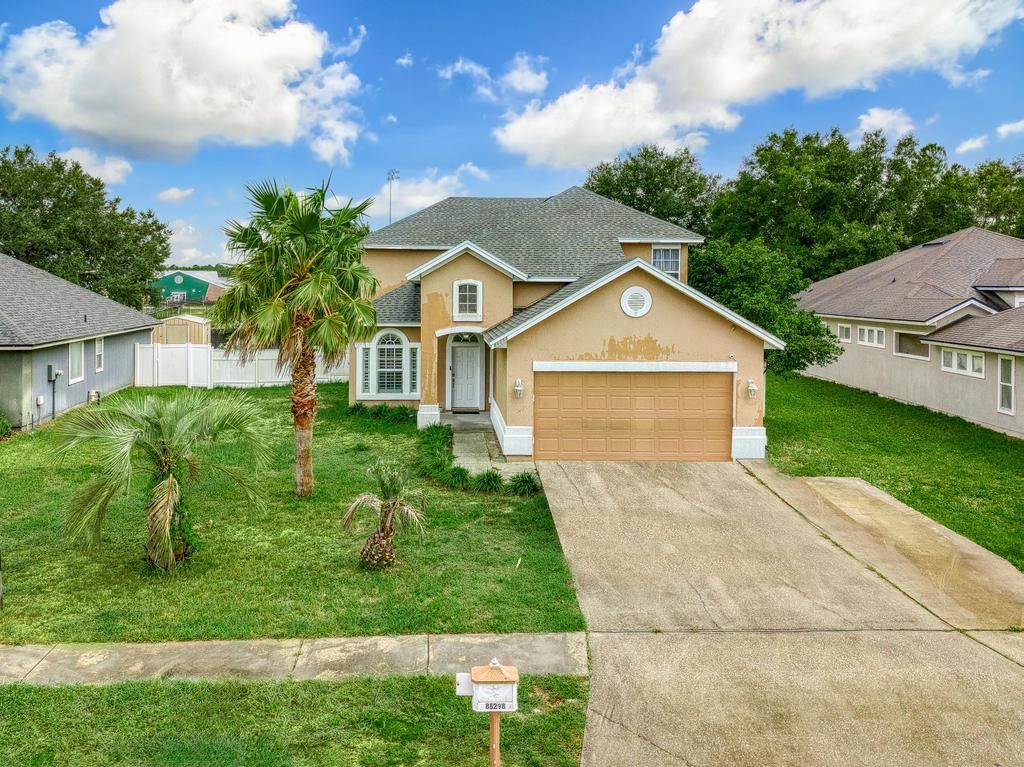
(476, 447)
(726, 629)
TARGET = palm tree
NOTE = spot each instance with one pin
(156, 437)
(392, 507)
(301, 287)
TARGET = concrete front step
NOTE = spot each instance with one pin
(323, 659)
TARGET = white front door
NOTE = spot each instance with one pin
(466, 377)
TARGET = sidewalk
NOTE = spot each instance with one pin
(323, 659)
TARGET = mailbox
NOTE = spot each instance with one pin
(495, 688)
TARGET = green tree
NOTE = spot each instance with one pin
(668, 185)
(760, 284)
(999, 196)
(156, 438)
(301, 288)
(393, 508)
(57, 217)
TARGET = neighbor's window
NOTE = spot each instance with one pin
(844, 333)
(467, 296)
(666, 259)
(909, 345)
(99, 355)
(1006, 394)
(76, 362)
(390, 370)
(867, 336)
(963, 362)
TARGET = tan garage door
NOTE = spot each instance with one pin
(633, 416)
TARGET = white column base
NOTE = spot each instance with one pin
(748, 442)
(514, 440)
(428, 415)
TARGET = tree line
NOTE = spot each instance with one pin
(803, 207)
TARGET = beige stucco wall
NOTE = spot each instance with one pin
(924, 382)
(391, 266)
(676, 328)
(500, 377)
(436, 314)
(642, 250)
(526, 293)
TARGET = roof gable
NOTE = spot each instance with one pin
(466, 248)
(40, 308)
(501, 333)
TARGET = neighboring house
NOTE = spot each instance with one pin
(48, 325)
(185, 286)
(569, 320)
(935, 325)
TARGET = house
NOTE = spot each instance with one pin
(568, 319)
(186, 286)
(935, 325)
(59, 342)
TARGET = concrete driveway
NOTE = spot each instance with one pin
(726, 629)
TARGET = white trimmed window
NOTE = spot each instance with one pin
(76, 362)
(467, 300)
(99, 355)
(869, 336)
(666, 259)
(1007, 396)
(844, 333)
(963, 363)
(910, 345)
(388, 368)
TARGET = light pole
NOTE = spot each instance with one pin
(392, 176)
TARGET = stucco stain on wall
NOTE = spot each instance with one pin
(630, 348)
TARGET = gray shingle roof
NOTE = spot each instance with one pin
(561, 236)
(38, 308)
(1003, 331)
(399, 305)
(919, 283)
(1004, 273)
(552, 299)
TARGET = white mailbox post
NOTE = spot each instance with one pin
(495, 690)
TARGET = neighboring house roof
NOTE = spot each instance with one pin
(599, 276)
(200, 274)
(557, 237)
(1002, 331)
(918, 284)
(39, 308)
(400, 306)
(1004, 273)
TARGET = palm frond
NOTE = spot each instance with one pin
(364, 501)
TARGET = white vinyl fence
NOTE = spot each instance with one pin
(202, 366)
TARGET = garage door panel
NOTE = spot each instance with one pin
(633, 416)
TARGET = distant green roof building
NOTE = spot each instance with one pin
(186, 286)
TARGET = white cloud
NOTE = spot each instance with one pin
(413, 194)
(356, 38)
(175, 194)
(109, 169)
(478, 73)
(525, 74)
(723, 54)
(162, 76)
(186, 246)
(892, 122)
(1010, 129)
(971, 144)
(390, 118)
(405, 60)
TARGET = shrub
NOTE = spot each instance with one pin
(436, 457)
(458, 478)
(358, 409)
(524, 483)
(489, 481)
(378, 411)
(5, 426)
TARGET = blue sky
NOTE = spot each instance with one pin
(161, 97)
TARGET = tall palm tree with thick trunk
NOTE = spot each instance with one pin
(300, 288)
(155, 438)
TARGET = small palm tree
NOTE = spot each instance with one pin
(155, 437)
(393, 508)
(300, 288)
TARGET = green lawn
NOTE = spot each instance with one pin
(964, 476)
(371, 722)
(485, 564)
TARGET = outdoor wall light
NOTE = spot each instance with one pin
(517, 390)
(751, 389)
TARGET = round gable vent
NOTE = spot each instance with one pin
(636, 301)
